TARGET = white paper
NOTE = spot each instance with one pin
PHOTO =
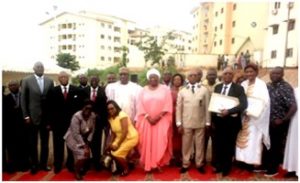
(219, 102)
(255, 106)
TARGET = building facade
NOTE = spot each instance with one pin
(281, 47)
(229, 28)
(95, 39)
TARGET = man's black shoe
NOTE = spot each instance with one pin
(34, 170)
(183, 170)
(201, 170)
(57, 170)
(46, 168)
(225, 173)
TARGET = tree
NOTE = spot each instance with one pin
(66, 60)
(153, 50)
(124, 60)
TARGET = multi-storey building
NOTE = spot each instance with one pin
(202, 28)
(229, 28)
(282, 35)
(95, 39)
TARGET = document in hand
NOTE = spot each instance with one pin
(255, 106)
(219, 102)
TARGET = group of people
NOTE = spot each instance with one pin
(163, 123)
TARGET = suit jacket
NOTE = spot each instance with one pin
(61, 109)
(33, 102)
(238, 92)
(12, 113)
(192, 108)
(99, 105)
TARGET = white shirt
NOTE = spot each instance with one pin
(227, 89)
(63, 88)
(125, 95)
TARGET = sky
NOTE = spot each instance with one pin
(21, 36)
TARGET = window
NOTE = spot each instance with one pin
(215, 43)
(109, 26)
(232, 40)
(291, 24)
(273, 54)
(117, 39)
(102, 47)
(109, 58)
(221, 26)
(117, 29)
(234, 6)
(102, 36)
(277, 5)
(102, 25)
(222, 10)
(275, 28)
(109, 37)
(102, 59)
(233, 24)
(220, 42)
(216, 28)
(216, 14)
(289, 52)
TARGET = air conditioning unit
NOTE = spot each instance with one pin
(274, 12)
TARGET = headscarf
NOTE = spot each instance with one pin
(153, 71)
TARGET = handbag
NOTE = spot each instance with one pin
(108, 162)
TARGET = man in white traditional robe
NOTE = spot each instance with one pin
(124, 92)
(290, 161)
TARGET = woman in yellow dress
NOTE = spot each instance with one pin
(124, 136)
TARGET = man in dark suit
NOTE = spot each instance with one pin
(14, 132)
(228, 122)
(34, 107)
(96, 94)
(64, 100)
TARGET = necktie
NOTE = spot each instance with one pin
(41, 84)
(94, 95)
(65, 92)
(193, 88)
(224, 90)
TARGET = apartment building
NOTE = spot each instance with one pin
(180, 42)
(95, 39)
(202, 29)
(229, 28)
(281, 47)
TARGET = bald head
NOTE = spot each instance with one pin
(192, 76)
(227, 75)
(124, 75)
(276, 74)
(14, 86)
(63, 78)
(38, 68)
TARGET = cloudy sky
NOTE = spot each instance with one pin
(21, 34)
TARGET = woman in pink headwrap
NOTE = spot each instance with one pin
(154, 123)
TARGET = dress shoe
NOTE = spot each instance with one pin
(78, 177)
(46, 168)
(57, 170)
(225, 173)
(183, 170)
(217, 170)
(34, 170)
(201, 169)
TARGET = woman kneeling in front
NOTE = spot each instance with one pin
(79, 136)
(124, 136)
